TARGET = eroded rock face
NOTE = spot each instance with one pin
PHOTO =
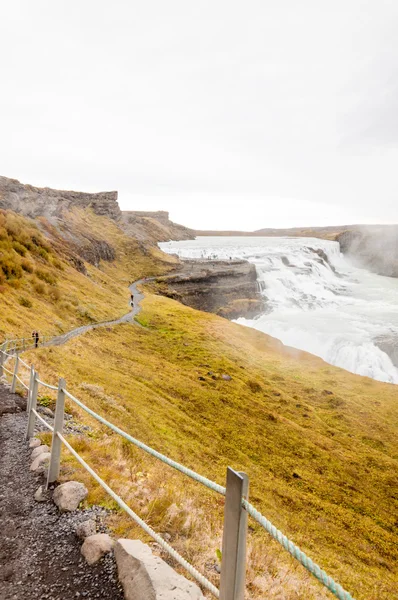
(154, 227)
(34, 202)
(144, 575)
(374, 248)
(227, 288)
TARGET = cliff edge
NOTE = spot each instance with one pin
(32, 201)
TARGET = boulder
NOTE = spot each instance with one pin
(144, 575)
(86, 529)
(39, 450)
(40, 461)
(68, 496)
(34, 443)
(95, 546)
(40, 495)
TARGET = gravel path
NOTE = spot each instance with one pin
(39, 553)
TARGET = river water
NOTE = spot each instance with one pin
(316, 300)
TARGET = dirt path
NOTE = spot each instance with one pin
(128, 317)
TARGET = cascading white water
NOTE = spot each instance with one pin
(316, 299)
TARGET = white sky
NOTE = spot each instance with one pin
(228, 114)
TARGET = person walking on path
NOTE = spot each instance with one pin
(132, 300)
(35, 336)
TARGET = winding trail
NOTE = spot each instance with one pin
(127, 318)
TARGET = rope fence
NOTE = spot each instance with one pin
(237, 506)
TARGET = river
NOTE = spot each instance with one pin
(316, 300)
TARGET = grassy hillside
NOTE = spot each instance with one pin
(40, 288)
(318, 443)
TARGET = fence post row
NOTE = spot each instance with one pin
(32, 403)
(2, 357)
(233, 562)
(53, 470)
(14, 377)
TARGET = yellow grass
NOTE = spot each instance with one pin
(318, 443)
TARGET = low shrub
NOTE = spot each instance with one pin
(25, 302)
(46, 276)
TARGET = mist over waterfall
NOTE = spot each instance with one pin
(316, 300)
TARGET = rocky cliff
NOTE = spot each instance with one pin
(226, 288)
(46, 202)
(154, 226)
(374, 248)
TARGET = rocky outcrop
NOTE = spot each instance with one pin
(154, 227)
(227, 288)
(374, 248)
(38, 202)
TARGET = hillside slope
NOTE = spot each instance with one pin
(47, 277)
(318, 443)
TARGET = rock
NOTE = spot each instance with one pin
(32, 201)
(226, 377)
(39, 450)
(34, 443)
(41, 495)
(228, 289)
(95, 546)
(44, 410)
(86, 529)
(144, 575)
(68, 496)
(40, 461)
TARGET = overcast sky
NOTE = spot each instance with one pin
(228, 114)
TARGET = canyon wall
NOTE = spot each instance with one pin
(34, 202)
(374, 248)
(226, 288)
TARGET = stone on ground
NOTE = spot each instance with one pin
(144, 575)
(86, 529)
(40, 461)
(34, 442)
(39, 450)
(40, 494)
(96, 546)
(68, 496)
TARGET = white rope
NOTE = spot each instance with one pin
(42, 420)
(198, 576)
(168, 461)
(47, 385)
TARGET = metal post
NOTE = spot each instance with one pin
(233, 563)
(14, 377)
(2, 357)
(53, 470)
(29, 402)
(30, 430)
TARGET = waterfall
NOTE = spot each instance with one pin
(316, 300)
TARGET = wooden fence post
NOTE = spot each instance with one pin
(14, 377)
(30, 397)
(53, 470)
(2, 358)
(233, 562)
(33, 404)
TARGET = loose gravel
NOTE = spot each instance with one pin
(39, 552)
